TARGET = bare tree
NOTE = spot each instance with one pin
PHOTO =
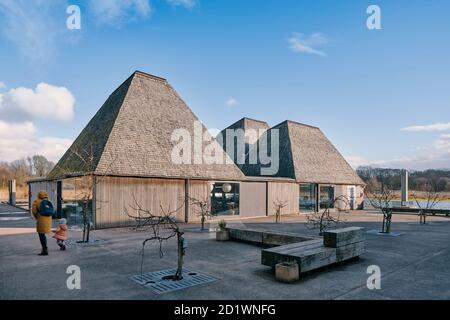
(203, 208)
(325, 220)
(86, 183)
(430, 200)
(380, 197)
(40, 166)
(279, 205)
(162, 227)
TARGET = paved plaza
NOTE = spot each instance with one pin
(413, 265)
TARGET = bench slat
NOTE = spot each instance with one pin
(308, 260)
(342, 237)
(350, 251)
(295, 246)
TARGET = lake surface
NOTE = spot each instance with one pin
(445, 205)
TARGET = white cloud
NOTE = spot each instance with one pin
(437, 155)
(45, 102)
(19, 140)
(430, 127)
(183, 3)
(231, 102)
(301, 43)
(356, 161)
(29, 26)
(443, 143)
(2, 85)
(114, 11)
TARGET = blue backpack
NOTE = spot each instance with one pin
(46, 208)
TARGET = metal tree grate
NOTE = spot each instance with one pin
(74, 243)
(378, 233)
(159, 285)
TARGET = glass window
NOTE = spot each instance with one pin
(225, 198)
(307, 197)
(75, 193)
(326, 199)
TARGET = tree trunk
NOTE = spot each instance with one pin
(203, 221)
(179, 274)
(88, 232)
(84, 232)
(321, 224)
(388, 222)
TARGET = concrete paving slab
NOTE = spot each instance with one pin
(413, 266)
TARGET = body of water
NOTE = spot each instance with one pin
(444, 205)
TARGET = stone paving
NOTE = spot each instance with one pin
(414, 265)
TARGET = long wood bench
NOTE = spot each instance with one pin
(265, 238)
(336, 246)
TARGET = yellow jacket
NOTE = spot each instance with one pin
(43, 224)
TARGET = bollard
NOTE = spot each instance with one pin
(12, 192)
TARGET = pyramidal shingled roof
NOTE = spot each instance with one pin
(315, 158)
(306, 155)
(131, 136)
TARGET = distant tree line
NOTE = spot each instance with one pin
(418, 180)
(22, 170)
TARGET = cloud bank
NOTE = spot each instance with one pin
(43, 102)
(429, 127)
(19, 137)
(20, 140)
(437, 155)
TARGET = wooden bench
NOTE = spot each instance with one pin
(337, 246)
(265, 238)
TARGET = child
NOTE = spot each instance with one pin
(61, 234)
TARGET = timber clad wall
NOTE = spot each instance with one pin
(283, 191)
(359, 196)
(252, 199)
(49, 186)
(341, 190)
(114, 194)
(198, 190)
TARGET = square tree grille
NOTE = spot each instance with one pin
(159, 285)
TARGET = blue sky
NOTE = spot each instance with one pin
(234, 58)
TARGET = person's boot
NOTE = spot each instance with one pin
(44, 252)
(62, 246)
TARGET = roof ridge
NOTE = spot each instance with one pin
(302, 124)
(112, 105)
(246, 118)
(108, 139)
(251, 119)
(236, 122)
(149, 75)
(295, 123)
(292, 152)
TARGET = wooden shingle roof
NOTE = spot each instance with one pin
(306, 155)
(131, 136)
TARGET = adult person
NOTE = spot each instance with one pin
(43, 222)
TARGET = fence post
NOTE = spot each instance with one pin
(12, 192)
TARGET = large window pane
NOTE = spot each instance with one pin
(308, 197)
(75, 193)
(326, 197)
(225, 198)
